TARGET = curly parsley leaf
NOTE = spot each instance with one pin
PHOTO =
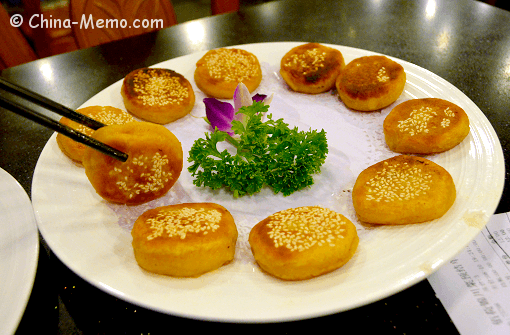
(267, 153)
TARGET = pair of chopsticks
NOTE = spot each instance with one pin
(52, 124)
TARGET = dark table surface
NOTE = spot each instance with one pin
(465, 42)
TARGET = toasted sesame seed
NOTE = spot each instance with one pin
(417, 122)
(382, 76)
(159, 87)
(445, 123)
(231, 65)
(107, 117)
(111, 118)
(145, 174)
(307, 62)
(398, 182)
(171, 223)
(449, 112)
(298, 229)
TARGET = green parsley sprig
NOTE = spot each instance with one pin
(267, 153)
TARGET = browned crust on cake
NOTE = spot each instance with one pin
(105, 114)
(155, 161)
(157, 95)
(311, 68)
(403, 190)
(184, 240)
(370, 83)
(219, 72)
(425, 126)
(302, 243)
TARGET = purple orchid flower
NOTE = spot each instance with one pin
(221, 114)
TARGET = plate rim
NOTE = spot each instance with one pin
(376, 297)
(28, 257)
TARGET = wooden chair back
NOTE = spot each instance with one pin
(117, 19)
(14, 48)
(224, 6)
(51, 38)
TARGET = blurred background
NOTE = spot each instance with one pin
(42, 43)
(52, 41)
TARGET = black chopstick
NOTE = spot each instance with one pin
(59, 127)
(50, 104)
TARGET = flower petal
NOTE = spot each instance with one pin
(220, 114)
(259, 97)
(268, 99)
(242, 97)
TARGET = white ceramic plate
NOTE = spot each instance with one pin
(19, 251)
(92, 237)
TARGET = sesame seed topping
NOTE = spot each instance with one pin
(144, 174)
(298, 229)
(184, 221)
(307, 62)
(107, 117)
(398, 182)
(382, 76)
(449, 112)
(419, 120)
(159, 87)
(445, 123)
(231, 65)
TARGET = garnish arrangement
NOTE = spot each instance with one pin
(266, 152)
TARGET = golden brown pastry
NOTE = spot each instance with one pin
(304, 242)
(219, 72)
(157, 95)
(105, 114)
(425, 126)
(311, 68)
(184, 240)
(154, 162)
(370, 83)
(402, 190)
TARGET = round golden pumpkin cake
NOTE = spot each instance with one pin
(184, 240)
(154, 163)
(403, 190)
(157, 95)
(425, 126)
(105, 114)
(219, 72)
(304, 242)
(370, 83)
(311, 68)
